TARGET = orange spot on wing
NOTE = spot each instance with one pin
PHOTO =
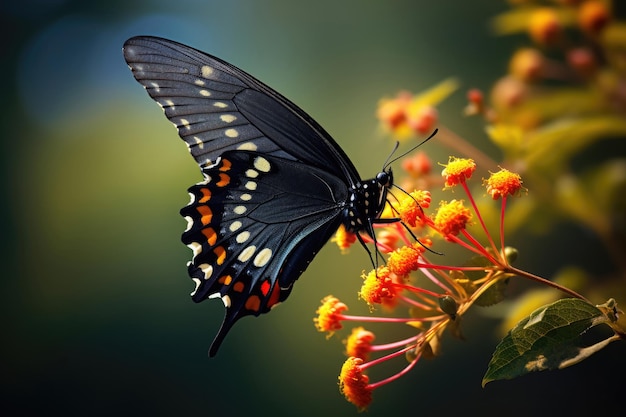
(210, 235)
(206, 213)
(225, 280)
(220, 252)
(253, 303)
(226, 164)
(238, 286)
(206, 195)
(224, 180)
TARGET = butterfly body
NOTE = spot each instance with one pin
(276, 186)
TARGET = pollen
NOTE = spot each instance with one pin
(354, 384)
(411, 207)
(343, 239)
(359, 343)
(378, 287)
(329, 315)
(452, 217)
(503, 183)
(458, 170)
(404, 260)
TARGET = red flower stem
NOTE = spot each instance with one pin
(453, 268)
(503, 207)
(481, 248)
(418, 290)
(382, 319)
(533, 277)
(386, 358)
(480, 218)
(396, 376)
(394, 345)
(415, 303)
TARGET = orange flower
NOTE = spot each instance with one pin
(359, 343)
(544, 26)
(593, 16)
(354, 384)
(527, 64)
(417, 165)
(404, 260)
(452, 217)
(343, 239)
(503, 183)
(458, 170)
(329, 315)
(411, 207)
(377, 286)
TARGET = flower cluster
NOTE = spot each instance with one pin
(564, 91)
(444, 292)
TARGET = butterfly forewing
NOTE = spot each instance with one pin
(218, 107)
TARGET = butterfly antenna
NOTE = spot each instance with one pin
(389, 162)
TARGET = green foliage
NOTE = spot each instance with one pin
(546, 340)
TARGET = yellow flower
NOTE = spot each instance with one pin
(359, 343)
(343, 239)
(452, 217)
(377, 286)
(329, 315)
(503, 183)
(458, 170)
(354, 384)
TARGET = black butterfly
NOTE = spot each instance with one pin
(276, 185)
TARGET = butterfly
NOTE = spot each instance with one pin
(275, 187)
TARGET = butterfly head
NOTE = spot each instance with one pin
(385, 178)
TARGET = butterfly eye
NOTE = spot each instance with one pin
(385, 178)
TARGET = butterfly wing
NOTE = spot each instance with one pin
(253, 229)
(275, 181)
(218, 107)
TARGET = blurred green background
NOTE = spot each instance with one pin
(95, 296)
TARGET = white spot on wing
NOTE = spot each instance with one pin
(247, 146)
(197, 282)
(189, 223)
(262, 258)
(206, 71)
(205, 93)
(199, 82)
(234, 226)
(243, 236)
(226, 300)
(247, 253)
(246, 197)
(231, 133)
(251, 185)
(199, 142)
(240, 210)
(262, 164)
(252, 173)
(207, 269)
(196, 248)
(220, 104)
(228, 118)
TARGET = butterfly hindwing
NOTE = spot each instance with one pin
(248, 248)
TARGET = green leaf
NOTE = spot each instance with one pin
(545, 340)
